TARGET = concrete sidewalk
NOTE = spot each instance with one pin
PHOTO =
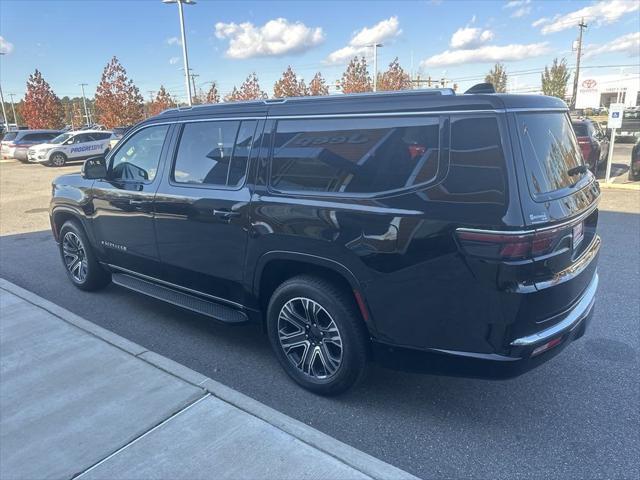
(79, 401)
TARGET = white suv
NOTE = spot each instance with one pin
(70, 146)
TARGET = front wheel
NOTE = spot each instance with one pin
(317, 334)
(78, 258)
(58, 160)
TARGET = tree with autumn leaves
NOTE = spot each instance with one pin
(395, 78)
(118, 101)
(41, 107)
(356, 78)
(161, 102)
(249, 90)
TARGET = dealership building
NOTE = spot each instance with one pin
(603, 90)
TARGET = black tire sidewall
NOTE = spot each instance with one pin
(346, 319)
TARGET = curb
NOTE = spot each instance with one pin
(348, 455)
(620, 186)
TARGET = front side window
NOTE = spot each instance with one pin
(63, 137)
(214, 153)
(138, 157)
(354, 156)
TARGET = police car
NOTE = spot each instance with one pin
(70, 146)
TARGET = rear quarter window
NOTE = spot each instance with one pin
(550, 152)
(345, 156)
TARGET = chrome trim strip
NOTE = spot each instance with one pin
(579, 312)
(177, 287)
(526, 109)
(384, 114)
(565, 223)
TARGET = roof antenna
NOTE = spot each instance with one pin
(481, 88)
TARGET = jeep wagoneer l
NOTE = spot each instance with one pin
(426, 230)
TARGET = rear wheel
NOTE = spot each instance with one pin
(317, 334)
(58, 160)
(81, 265)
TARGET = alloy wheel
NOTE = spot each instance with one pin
(57, 160)
(310, 338)
(75, 257)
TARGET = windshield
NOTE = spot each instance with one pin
(61, 138)
(552, 158)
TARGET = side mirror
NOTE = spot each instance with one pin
(94, 168)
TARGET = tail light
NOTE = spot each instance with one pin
(586, 147)
(519, 246)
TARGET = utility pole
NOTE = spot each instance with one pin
(375, 64)
(13, 109)
(193, 80)
(184, 44)
(574, 96)
(84, 101)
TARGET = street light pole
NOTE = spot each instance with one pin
(184, 44)
(4, 113)
(13, 109)
(84, 101)
(375, 64)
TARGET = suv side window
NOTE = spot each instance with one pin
(138, 157)
(361, 156)
(81, 138)
(477, 167)
(214, 153)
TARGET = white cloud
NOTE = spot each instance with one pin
(5, 46)
(174, 41)
(174, 60)
(469, 37)
(520, 8)
(276, 37)
(600, 13)
(487, 53)
(629, 44)
(380, 32)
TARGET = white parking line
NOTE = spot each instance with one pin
(7, 161)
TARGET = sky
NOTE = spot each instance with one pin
(70, 42)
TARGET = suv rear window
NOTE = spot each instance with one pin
(581, 129)
(354, 156)
(10, 136)
(550, 151)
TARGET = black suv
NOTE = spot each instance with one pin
(426, 230)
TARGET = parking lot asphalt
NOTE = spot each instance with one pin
(576, 416)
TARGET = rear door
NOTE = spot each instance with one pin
(559, 197)
(202, 207)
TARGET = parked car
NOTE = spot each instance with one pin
(16, 144)
(454, 234)
(630, 130)
(634, 166)
(593, 141)
(70, 146)
(118, 133)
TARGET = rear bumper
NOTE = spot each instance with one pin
(520, 359)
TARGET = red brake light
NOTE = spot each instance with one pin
(585, 146)
(416, 150)
(505, 246)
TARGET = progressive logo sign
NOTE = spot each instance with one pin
(85, 148)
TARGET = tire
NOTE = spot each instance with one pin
(327, 353)
(84, 271)
(58, 160)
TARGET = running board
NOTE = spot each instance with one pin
(209, 308)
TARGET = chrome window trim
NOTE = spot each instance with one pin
(177, 287)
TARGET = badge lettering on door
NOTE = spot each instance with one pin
(115, 246)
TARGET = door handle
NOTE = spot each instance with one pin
(136, 202)
(225, 213)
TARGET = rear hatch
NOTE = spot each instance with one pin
(559, 198)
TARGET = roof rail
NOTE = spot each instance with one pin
(481, 88)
